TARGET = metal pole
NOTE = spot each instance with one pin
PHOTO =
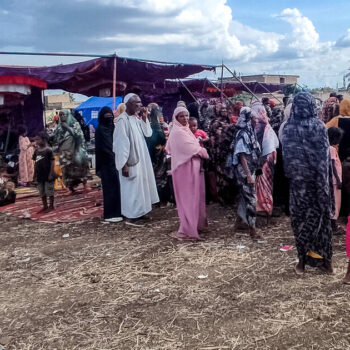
(270, 92)
(205, 66)
(114, 80)
(216, 87)
(187, 90)
(222, 78)
(240, 81)
(301, 87)
(8, 135)
(44, 114)
(251, 100)
(52, 54)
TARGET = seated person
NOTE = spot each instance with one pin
(7, 194)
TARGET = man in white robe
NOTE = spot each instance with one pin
(137, 181)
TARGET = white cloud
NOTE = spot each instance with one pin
(344, 41)
(197, 31)
(158, 6)
(203, 24)
(305, 39)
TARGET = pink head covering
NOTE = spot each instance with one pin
(182, 144)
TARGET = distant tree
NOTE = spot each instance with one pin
(315, 90)
(244, 96)
(291, 90)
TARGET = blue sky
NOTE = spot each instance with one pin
(331, 18)
(310, 38)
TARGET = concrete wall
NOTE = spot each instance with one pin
(272, 79)
(258, 78)
(61, 98)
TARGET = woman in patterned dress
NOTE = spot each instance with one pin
(244, 161)
(26, 163)
(221, 134)
(306, 158)
(70, 143)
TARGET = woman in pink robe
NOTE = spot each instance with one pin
(26, 163)
(188, 179)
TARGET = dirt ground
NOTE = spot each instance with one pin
(108, 286)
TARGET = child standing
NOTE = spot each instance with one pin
(44, 171)
(335, 135)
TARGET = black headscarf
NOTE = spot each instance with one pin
(193, 109)
(157, 140)
(101, 116)
(104, 140)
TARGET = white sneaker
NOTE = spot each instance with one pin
(118, 219)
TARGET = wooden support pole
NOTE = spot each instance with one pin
(114, 80)
(188, 90)
(240, 81)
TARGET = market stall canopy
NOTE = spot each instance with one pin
(20, 80)
(90, 108)
(14, 88)
(95, 77)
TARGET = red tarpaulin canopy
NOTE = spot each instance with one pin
(22, 80)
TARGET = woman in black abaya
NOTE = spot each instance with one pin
(105, 166)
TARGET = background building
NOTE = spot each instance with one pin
(54, 103)
(271, 78)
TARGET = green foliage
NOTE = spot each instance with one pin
(291, 90)
(245, 97)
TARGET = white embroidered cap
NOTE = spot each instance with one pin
(128, 97)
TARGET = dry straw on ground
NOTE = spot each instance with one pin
(108, 286)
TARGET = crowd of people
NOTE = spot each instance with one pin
(263, 159)
(51, 158)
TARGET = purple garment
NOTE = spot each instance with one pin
(189, 188)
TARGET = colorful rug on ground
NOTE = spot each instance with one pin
(68, 208)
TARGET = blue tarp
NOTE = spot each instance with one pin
(90, 108)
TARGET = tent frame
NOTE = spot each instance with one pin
(222, 66)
